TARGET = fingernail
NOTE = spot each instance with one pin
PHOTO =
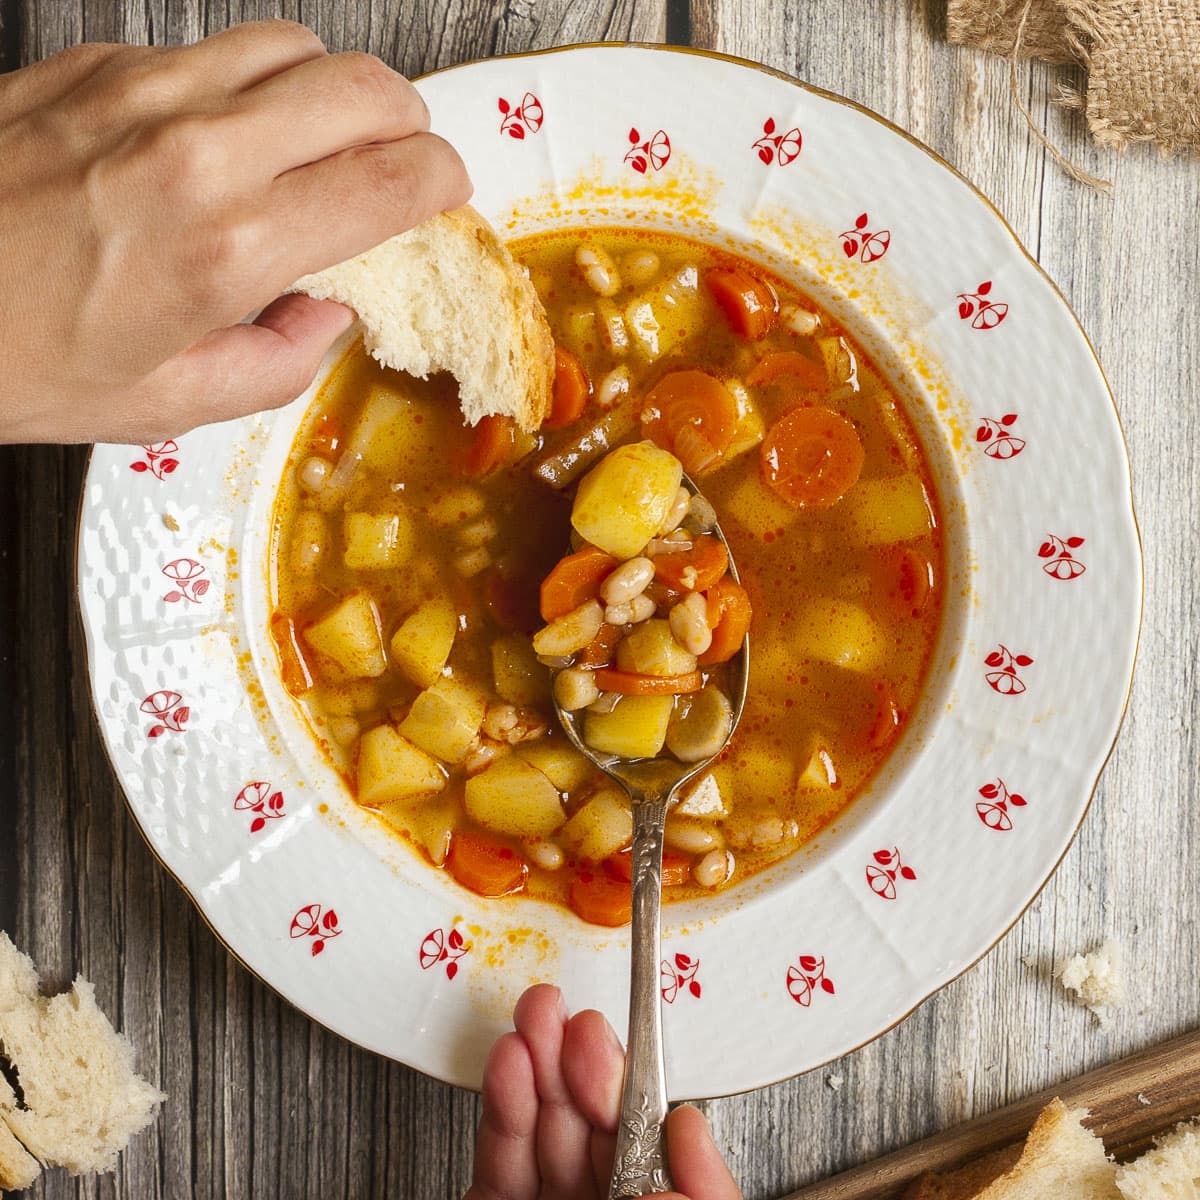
(616, 1041)
(563, 1011)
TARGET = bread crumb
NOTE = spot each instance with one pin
(1096, 979)
(834, 1082)
(170, 522)
(1141, 1098)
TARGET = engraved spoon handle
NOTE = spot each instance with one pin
(640, 1165)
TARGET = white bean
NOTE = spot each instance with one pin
(614, 386)
(676, 513)
(344, 729)
(641, 608)
(605, 703)
(691, 837)
(482, 755)
(570, 632)
(314, 473)
(760, 831)
(629, 579)
(612, 328)
(689, 623)
(640, 267)
(545, 854)
(499, 720)
(598, 269)
(713, 869)
(799, 320)
(668, 545)
(478, 533)
(701, 514)
(619, 614)
(575, 688)
(473, 561)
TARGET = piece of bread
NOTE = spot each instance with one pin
(1060, 1160)
(967, 1181)
(1096, 979)
(80, 1101)
(448, 296)
(1170, 1171)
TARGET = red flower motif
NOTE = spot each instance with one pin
(1064, 564)
(1003, 676)
(309, 922)
(258, 798)
(806, 977)
(982, 313)
(157, 460)
(678, 974)
(525, 118)
(441, 945)
(885, 871)
(993, 808)
(861, 241)
(781, 148)
(1001, 442)
(654, 152)
(170, 710)
(185, 574)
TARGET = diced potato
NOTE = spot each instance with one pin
(840, 364)
(392, 769)
(445, 719)
(459, 502)
(387, 433)
(310, 542)
(704, 799)
(840, 632)
(643, 327)
(377, 541)
(819, 772)
(750, 429)
(519, 677)
(664, 315)
(651, 649)
(601, 827)
(513, 797)
(879, 511)
(756, 770)
(424, 640)
(430, 825)
(623, 500)
(351, 699)
(614, 336)
(349, 640)
(636, 727)
(757, 509)
(561, 763)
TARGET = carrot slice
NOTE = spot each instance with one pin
(694, 570)
(811, 457)
(493, 444)
(600, 650)
(749, 303)
(693, 415)
(676, 867)
(729, 614)
(571, 390)
(601, 899)
(888, 718)
(293, 668)
(627, 683)
(575, 580)
(904, 579)
(484, 865)
(791, 363)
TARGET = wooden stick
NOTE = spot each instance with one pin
(1167, 1077)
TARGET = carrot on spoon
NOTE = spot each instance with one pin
(694, 570)
(729, 614)
(629, 683)
(575, 580)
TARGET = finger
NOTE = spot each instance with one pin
(329, 211)
(248, 54)
(245, 368)
(61, 73)
(593, 1065)
(564, 1133)
(697, 1168)
(356, 101)
(505, 1149)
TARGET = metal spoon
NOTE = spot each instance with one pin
(640, 1165)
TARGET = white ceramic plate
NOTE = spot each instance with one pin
(956, 836)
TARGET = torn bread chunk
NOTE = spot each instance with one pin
(448, 296)
(1170, 1171)
(1096, 979)
(80, 1100)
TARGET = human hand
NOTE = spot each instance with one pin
(151, 198)
(551, 1096)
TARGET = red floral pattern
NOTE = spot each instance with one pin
(157, 459)
(1001, 442)
(679, 974)
(781, 148)
(258, 798)
(885, 871)
(1063, 565)
(1003, 677)
(186, 574)
(981, 312)
(526, 118)
(169, 709)
(861, 241)
(311, 923)
(804, 979)
(652, 153)
(443, 946)
(992, 810)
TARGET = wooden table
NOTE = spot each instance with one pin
(265, 1104)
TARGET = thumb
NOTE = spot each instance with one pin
(248, 368)
(697, 1168)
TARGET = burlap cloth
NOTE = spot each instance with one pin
(1142, 59)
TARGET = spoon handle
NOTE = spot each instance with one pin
(640, 1165)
